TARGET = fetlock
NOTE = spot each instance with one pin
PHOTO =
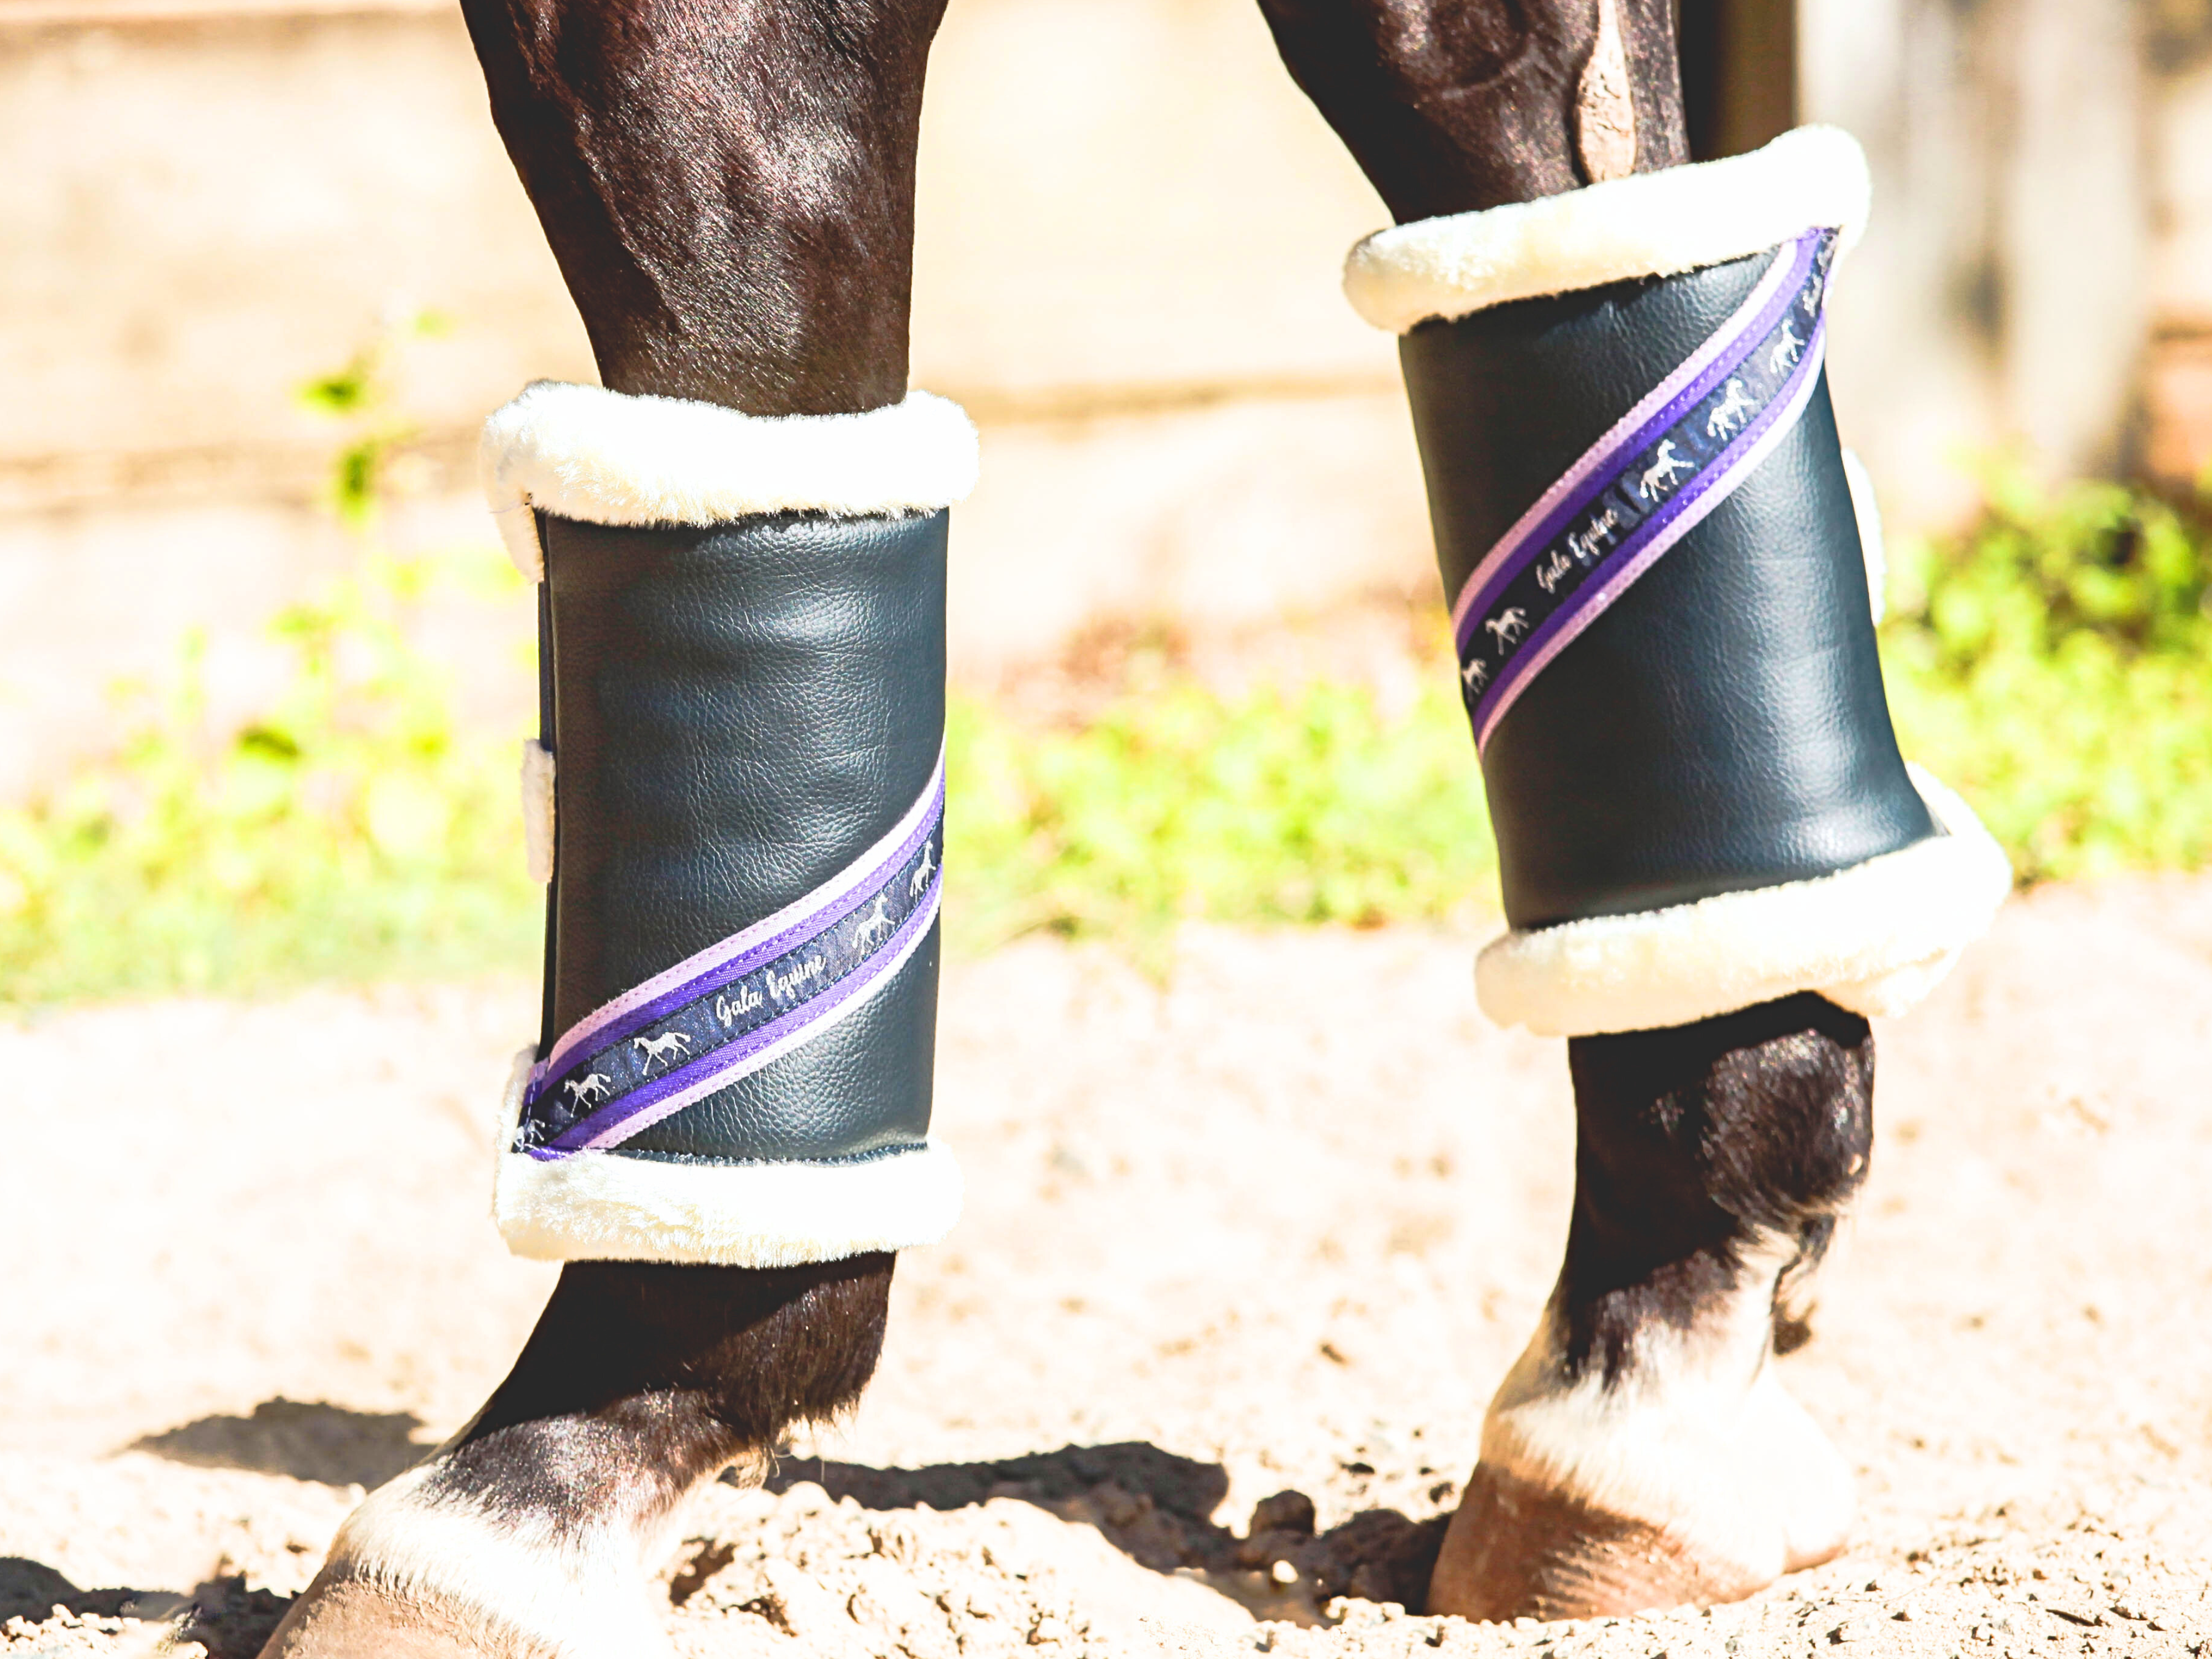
(1714, 862)
(1712, 1162)
(1643, 1452)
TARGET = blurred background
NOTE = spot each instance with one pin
(265, 267)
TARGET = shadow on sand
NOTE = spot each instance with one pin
(229, 1621)
(308, 1442)
(315, 1441)
(1153, 1505)
(1157, 1508)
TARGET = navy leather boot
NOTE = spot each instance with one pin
(1661, 598)
(738, 798)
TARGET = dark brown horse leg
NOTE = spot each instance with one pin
(1642, 1453)
(1707, 839)
(1451, 105)
(727, 186)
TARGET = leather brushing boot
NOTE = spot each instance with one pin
(738, 798)
(1660, 598)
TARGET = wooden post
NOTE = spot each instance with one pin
(1739, 72)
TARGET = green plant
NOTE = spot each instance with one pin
(2054, 663)
(1176, 802)
(361, 393)
(351, 829)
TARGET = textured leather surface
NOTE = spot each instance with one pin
(1723, 727)
(738, 713)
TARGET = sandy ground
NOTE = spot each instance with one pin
(1276, 1227)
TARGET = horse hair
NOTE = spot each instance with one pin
(727, 186)
(1698, 1142)
(642, 1379)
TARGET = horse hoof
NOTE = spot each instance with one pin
(1518, 1550)
(418, 1574)
(343, 1617)
(1573, 1514)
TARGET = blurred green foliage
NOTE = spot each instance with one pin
(361, 393)
(2054, 664)
(1176, 802)
(353, 831)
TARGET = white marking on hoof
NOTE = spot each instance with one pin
(412, 1572)
(1696, 1444)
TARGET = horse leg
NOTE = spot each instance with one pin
(534, 1532)
(1713, 859)
(1642, 1452)
(722, 1131)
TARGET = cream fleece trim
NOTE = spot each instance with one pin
(537, 810)
(602, 457)
(1875, 937)
(1651, 224)
(602, 1206)
(1866, 508)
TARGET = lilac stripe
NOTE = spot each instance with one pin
(738, 955)
(1657, 413)
(750, 1053)
(1681, 514)
(1778, 290)
(768, 950)
(644, 1107)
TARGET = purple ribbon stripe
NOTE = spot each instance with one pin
(1673, 459)
(726, 1011)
